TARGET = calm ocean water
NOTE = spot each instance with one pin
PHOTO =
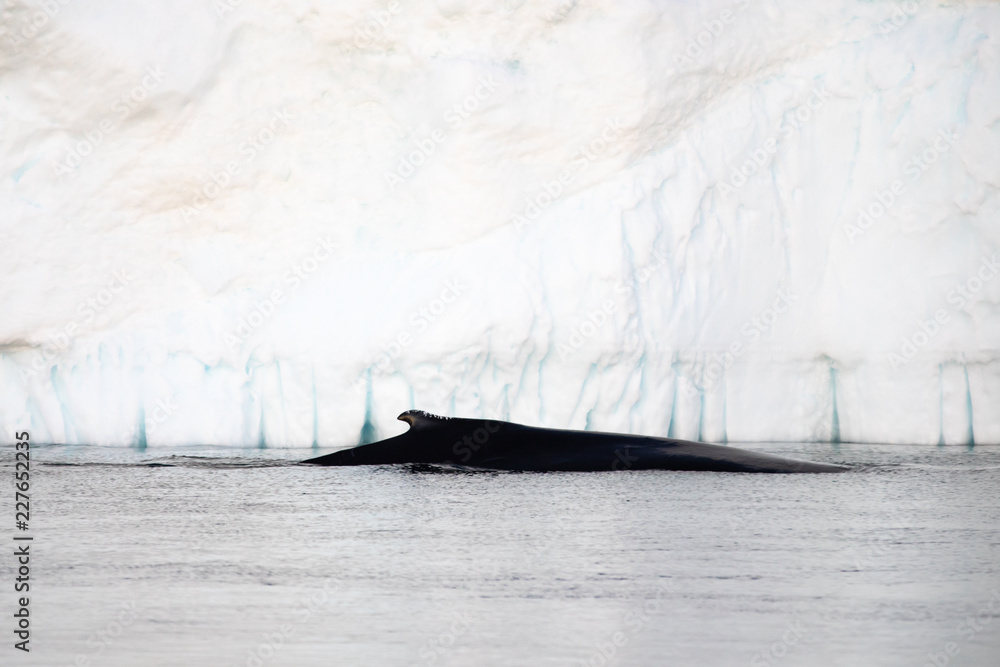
(219, 557)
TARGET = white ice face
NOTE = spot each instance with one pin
(246, 222)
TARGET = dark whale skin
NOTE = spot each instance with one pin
(498, 445)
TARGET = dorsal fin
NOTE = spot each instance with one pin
(421, 419)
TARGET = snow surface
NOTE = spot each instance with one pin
(283, 223)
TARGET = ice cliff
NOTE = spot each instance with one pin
(283, 223)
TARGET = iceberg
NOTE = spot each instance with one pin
(279, 225)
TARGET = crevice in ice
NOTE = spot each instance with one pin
(368, 431)
(940, 405)
(971, 438)
(262, 430)
(583, 391)
(140, 437)
(634, 409)
(835, 418)
(488, 366)
(673, 408)
(541, 376)
(701, 414)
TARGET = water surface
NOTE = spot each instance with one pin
(196, 556)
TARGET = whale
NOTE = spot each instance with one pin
(499, 445)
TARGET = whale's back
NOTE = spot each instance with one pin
(506, 446)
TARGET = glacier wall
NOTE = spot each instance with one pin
(282, 223)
